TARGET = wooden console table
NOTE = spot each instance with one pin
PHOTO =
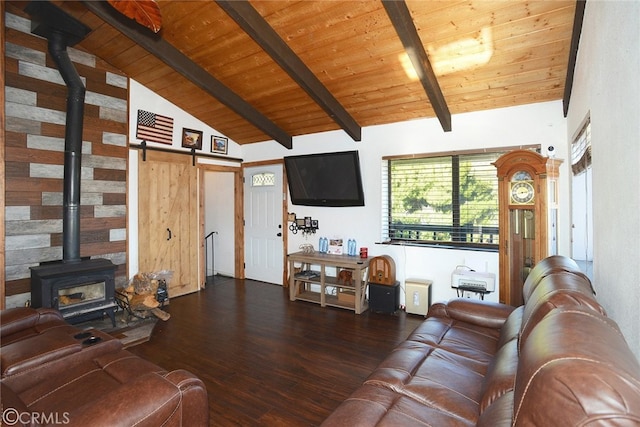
(329, 292)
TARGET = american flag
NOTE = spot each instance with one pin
(154, 127)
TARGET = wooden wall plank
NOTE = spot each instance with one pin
(2, 158)
(34, 150)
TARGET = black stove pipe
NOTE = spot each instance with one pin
(62, 31)
(72, 147)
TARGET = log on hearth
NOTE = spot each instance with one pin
(140, 297)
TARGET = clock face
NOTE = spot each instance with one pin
(522, 192)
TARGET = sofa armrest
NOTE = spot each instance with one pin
(194, 397)
(477, 312)
(153, 400)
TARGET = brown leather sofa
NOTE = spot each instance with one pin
(558, 360)
(56, 374)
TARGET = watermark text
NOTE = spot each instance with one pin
(12, 417)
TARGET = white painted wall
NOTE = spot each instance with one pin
(607, 87)
(541, 123)
(141, 98)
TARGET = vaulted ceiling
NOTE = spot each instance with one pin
(261, 70)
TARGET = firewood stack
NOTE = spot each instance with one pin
(141, 295)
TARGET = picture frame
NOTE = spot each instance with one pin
(219, 144)
(335, 246)
(192, 138)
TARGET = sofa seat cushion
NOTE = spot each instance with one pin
(456, 336)
(376, 406)
(434, 377)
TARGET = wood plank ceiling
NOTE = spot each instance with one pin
(325, 65)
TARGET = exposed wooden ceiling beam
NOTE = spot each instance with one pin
(573, 54)
(403, 23)
(262, 33)
(189, 69)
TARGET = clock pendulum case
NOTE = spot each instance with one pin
(527, 193)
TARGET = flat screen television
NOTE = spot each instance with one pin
(325, 179)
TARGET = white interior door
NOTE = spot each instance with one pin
(263, 204)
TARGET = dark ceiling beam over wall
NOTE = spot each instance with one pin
(189, 69)
(401, 19)
(573, 54)
(262, 33)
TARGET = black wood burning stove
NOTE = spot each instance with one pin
(79, 288)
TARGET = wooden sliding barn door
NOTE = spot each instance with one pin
(168, 219)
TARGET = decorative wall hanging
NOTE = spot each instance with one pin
(192, 138)
(219, 144)
(307, 225)
(154, 127)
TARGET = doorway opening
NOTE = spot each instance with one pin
(581, 203)
(221, 222)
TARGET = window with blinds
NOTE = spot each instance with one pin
(581, 150)
(449, 200)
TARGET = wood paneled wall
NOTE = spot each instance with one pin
(2, 187)
(35, 104)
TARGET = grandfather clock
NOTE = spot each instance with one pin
(527, 192)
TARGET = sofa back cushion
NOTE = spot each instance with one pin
(577, 366)
(511, 328)
(557, 291)
(18, 323)
(547, 266)
(501, 375)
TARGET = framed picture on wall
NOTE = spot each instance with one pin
(192, 138)
(219, 144)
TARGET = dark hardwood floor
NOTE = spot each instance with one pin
(266, 360)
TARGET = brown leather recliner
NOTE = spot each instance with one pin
(54, 373)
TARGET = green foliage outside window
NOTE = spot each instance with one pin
(444, 200)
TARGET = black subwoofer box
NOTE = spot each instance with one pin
(384, 298)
